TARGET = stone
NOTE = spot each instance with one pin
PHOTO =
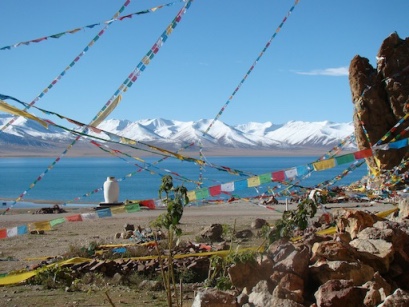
(339, 293)
(332, 250)
(244, 234)
(357, 272)
(376, 253)
(261, 295)
(399, 298)
(296, 262)
(214, 298)
(247, 275)
(213, 233)
(354, 221)
(258, 223)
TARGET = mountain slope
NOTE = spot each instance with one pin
(173, 134)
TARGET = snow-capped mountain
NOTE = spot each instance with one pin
(175, 134)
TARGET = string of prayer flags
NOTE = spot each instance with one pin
(83, 217)
(127, 83)
(77, 58)
(251, 68)
(5, 107)
(283, 175)
(76, 30)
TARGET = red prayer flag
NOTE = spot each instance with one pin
(363, 154)
(3, 233)
(74, 218)
(215, 190)
(278, 176)
(150, 203)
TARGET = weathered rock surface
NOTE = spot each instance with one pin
(380, 95)
(370, 270)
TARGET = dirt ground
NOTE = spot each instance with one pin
(23, 251)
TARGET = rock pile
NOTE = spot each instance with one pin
(365, 263)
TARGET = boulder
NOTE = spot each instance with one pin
(214, 298)
(357, 272)
(399, 298)
(258, 223)
(354, 221)
(213, 233)
(339, 293)
(375, 253)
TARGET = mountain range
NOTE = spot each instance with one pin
(294, 137)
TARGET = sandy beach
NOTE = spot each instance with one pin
(28, 249)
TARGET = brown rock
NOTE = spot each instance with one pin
(214, 298)
(376, 253)
(332, 250)
(357, 272)
(213, 233)
(340, 293)
(258, 223)
(380, 97)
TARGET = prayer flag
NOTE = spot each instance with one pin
(265, 178)
(363, 154)
(21, 230)
(215, 190)
(5, 107)
(278, 176)
(57, 221)
(12, 232)
(324, 164)
(291, 173)
(74, 218)
(345, 159)
(240, 185)
(40, 226)
(104, 213)
(119, 209)
(148, 203)
(227, 187)
(303, 170)
(3, 233)
(399, 144)
(191, 195)
(89, 216)
(253, 181)
(202, 193)
(132, 208)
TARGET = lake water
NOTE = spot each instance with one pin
(79, 180)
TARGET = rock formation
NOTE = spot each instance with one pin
(381, 99)
(365, 262)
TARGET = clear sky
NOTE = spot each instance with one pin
(303, 75)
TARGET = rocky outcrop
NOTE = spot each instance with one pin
(365, 263)
(381, 99)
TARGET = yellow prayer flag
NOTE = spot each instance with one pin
(117, 210)
(253, 181)
(324, 164)
(46, 226)
(191, 195)
(106, 112)
(5, 107)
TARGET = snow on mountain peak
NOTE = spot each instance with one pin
(251, 135)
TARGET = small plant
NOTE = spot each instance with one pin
(170, 220)
(294, 219)
(81, 251)
(218, 268)
(53, 277)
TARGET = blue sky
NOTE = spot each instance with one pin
(301, 76)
